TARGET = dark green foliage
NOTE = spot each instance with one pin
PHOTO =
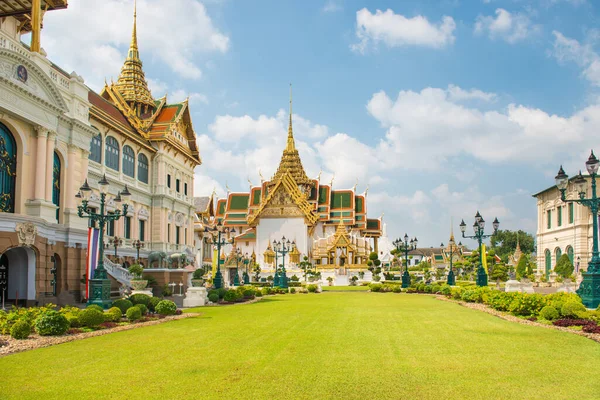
(375, 287)
(91, 318)
(231, 296)
(136, 270)
(213, 297)
(549, 313)
(435, 288)
(312, 288)
(20, 330)
(113, 314)
(571, 309)
(53, 323)
(139, 298)
(166, 307)
(527, 304)
(427, 288)
(249, 293)
(292, 290)
(142, 307)
(123, 305)
(446, 290)
(133, 314)
(95, 307)
(198, 274)
(522, 270)
(397, 289)
(221, 292)
(152, 303)
(564, 267)
(499, 271)
(504, 243)
(167, 292)
(73, 320)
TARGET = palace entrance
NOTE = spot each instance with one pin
(17, 276)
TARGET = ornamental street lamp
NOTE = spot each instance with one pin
(138, 244)
(246, 276)
(453, 250)
(219, 241)
(478, 226)
(238, 258)
(283, 248)
(116, 242)
(589, 289)
(99, 283)
(405, 246)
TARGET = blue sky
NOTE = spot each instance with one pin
(440, 107)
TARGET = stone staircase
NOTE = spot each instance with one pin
(119, 273)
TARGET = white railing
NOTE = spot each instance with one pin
(120, 274)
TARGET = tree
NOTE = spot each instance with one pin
(500, 271)
(256, 270)
(522, 267)
(564, 266)
(504, 243)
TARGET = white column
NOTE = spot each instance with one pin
(50, 165)
(40, 164)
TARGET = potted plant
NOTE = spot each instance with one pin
(197, 280)
(330, 280)
(137, 282)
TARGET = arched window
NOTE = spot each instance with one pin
(8, 170)
(128, 161)
(558, 253)
(548, 262)
(96, 148)
(111, 153)
(570, 254)
(56, 183)
(142, 168)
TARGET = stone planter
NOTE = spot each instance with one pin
(139, 284)
(197, 282)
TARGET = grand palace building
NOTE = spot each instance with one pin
(55, 132)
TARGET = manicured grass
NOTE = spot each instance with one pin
(316, 346)
(345, 288)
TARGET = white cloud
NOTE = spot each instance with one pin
(566, 49)
(180, 95)
(396, 30)
(458, 94)
(332, 6)
(510, 27)
(104, 33)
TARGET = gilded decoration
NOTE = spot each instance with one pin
(26, 232)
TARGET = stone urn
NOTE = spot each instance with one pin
(197, 282)
(139, 284)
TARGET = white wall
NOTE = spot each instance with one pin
(270, 229)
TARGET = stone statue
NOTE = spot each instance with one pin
(26, 232)
(159, 256)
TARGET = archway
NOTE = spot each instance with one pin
(548, 262)
(19, 266)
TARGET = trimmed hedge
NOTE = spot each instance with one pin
(139, 298)
(123, 305)
(113, 314)
(20, 330)
(166, 307)
(91, 317)
(134, 313)
(53, 323)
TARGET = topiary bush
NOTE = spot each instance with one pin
(95, 307)
(20, 330)
(143, 308)
(446, 290)
(166, 307)
(571, 309)
(293, 290)
(133, 314)
(397, 289)
(557, 300)
(527, 304)
(312, 288)
(139, 298)
(152, 303)
(213, 297)
(73, 320)
(53, 323)
(221, 292)
(113, 314)
(375, 287)
(428, 288)
(91, 317)
(123, 305)
(435, 288)
(231, 296)
(258, 293)
(549, 313)
(249, 293)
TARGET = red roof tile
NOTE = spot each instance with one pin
(108, 108)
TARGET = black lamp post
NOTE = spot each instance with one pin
(589, 289)
(116, 242)
(217, 240)
(453, 250)
(100, 284)
(238, 258)
(246, 276)
(478, 226)
(405, 246)
(138, 244)
(283, 248)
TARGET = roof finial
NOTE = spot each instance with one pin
(134, 32)
(291, 146)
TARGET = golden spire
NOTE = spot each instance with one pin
(132, 83)
(451, 230)
(290, 160)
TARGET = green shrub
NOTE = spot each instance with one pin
(456, 292)
(475, 294)
(421, 287)
(139, 298)
(258, 293)
(113, 314)
(249, 293)
(20, 330)
(446, 290)
(166, 307)
(73, 320)
(292, 290)
(571, 308)
(557, 300)
(123, 305)
(435, 288)
(312, 288)
(142, 307)
(221, 292)
(53, 323)
(549, 313)
(231, 296)
(527, 304)
(95, 307)
(152, 303)
(500, 300)
(428, 288)
(133, 314)
(375, 287)
(213, 297)
(91, 317)
(397, 289)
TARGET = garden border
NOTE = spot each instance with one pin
(508, 317)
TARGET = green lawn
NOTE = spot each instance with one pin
(351, 345)
(344, 288)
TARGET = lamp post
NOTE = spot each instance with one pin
(589, 289)
(138, 244)
(99, 283)
(246, 276)
(283, 248)
(116, 242)
(238, 258)
(478, 226)
(405, 246)
(453, 250)
(217, 240)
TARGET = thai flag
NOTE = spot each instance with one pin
(93, 250)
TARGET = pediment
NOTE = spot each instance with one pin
(27, 77)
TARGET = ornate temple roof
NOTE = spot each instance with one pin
(21, 10)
